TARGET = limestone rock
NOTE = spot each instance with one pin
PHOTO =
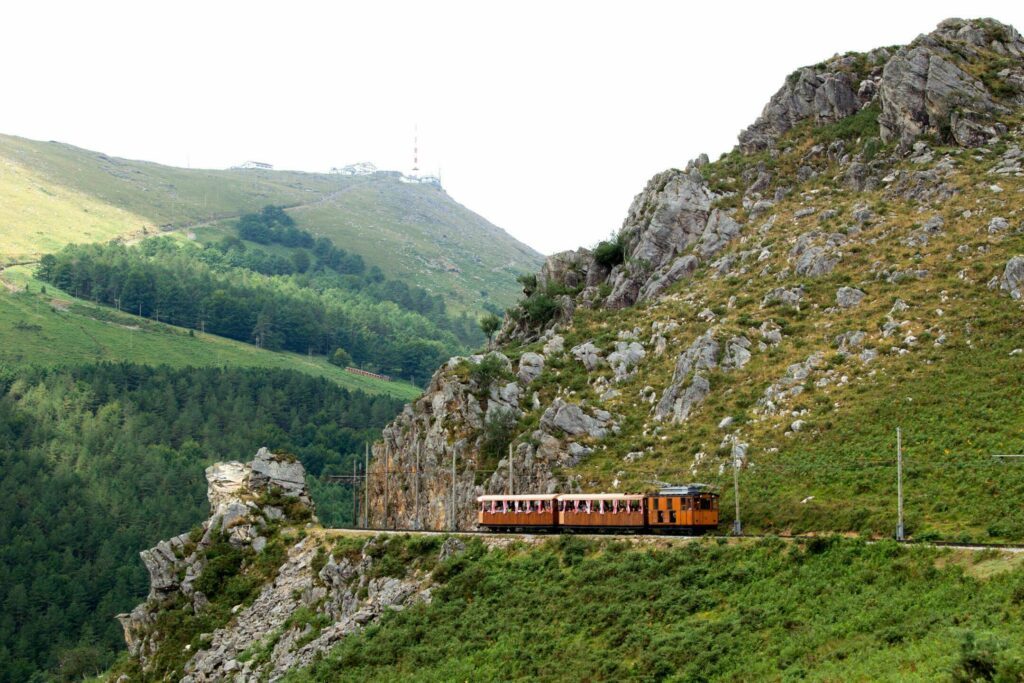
(737, 353)
(681, 267)
(1013, 277)
(588, 354)
(531, 365)
(571, 419)
(721, 228)
(848, 297)
(702, 354)
(924, 88)
(823, 96)
(625, 358)
(665, 219)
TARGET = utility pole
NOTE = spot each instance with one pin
(366, 485)
(387, 484)
(416, 487)
(355, 495)
(511, 473)
(899, 483)
(737, 525)
(452, 519)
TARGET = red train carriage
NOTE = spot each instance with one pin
(601, 512)
(534, 512)
(674, 509)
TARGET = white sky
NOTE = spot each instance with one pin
(545, 117)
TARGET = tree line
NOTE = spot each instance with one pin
(168, 282)
(99, 462)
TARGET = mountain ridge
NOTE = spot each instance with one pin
(152, 198)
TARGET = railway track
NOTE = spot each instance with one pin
(955, 545)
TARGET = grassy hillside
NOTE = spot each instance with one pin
(37, 216)
(57, 329)
(412, 232)
(588, 610)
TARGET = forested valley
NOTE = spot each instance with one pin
(100, 461)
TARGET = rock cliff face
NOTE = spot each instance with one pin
(316, 592)
(851, 163)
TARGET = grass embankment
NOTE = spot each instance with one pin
(827, 609)
(57, 329)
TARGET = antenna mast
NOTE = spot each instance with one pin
(416, 149)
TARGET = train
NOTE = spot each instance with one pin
(689, 510)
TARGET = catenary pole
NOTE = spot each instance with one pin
(899, 484)
(737, 525)
(451, 523)
(416, 486)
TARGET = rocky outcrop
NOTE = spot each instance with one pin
(665, 219)
(809, 93)
(246, 499)
(924, 88)
(315, 596)
(688, 386)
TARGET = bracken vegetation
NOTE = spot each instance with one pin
(825, 609)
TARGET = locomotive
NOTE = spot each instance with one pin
(690, 509)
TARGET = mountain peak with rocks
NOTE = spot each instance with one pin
(870, 178)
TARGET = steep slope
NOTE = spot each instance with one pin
(413, 232)
(854, 265)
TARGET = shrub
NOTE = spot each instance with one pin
(490, 369)
(540, 308)
(499, 429)
(610, 253)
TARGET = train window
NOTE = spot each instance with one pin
(661, 517)
(672, 516)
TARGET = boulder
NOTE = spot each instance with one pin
(848, 297)
(625, 358)
(570, 418)
(588, 354)
(531, 365)
(1013, 277)
(737, 353)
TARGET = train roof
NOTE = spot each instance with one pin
(685, 490)
(527, 496)
(601, 496)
